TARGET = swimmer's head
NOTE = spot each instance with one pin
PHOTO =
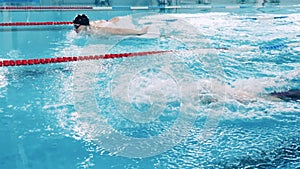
(79, 20)
(290, 95)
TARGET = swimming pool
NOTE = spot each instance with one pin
(200, 104)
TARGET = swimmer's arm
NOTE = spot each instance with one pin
(97, 22)
(121, 31)
(113, 20)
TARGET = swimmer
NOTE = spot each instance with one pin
(103, 27)
(290, 95)
(287, 96)
(218, 91)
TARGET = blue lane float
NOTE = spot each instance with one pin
(265, 18)
(273, 47)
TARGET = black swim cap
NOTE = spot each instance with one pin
(81, 20)
(290, 95)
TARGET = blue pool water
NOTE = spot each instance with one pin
(204, 105)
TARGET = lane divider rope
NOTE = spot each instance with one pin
(117, 8)
(265, 18)
(69, 22)
(263, 48)
(33, 23)
(45, 7)
(26, 62)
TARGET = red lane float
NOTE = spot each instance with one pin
(45, 7)
(34, 23)
(6, 63)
